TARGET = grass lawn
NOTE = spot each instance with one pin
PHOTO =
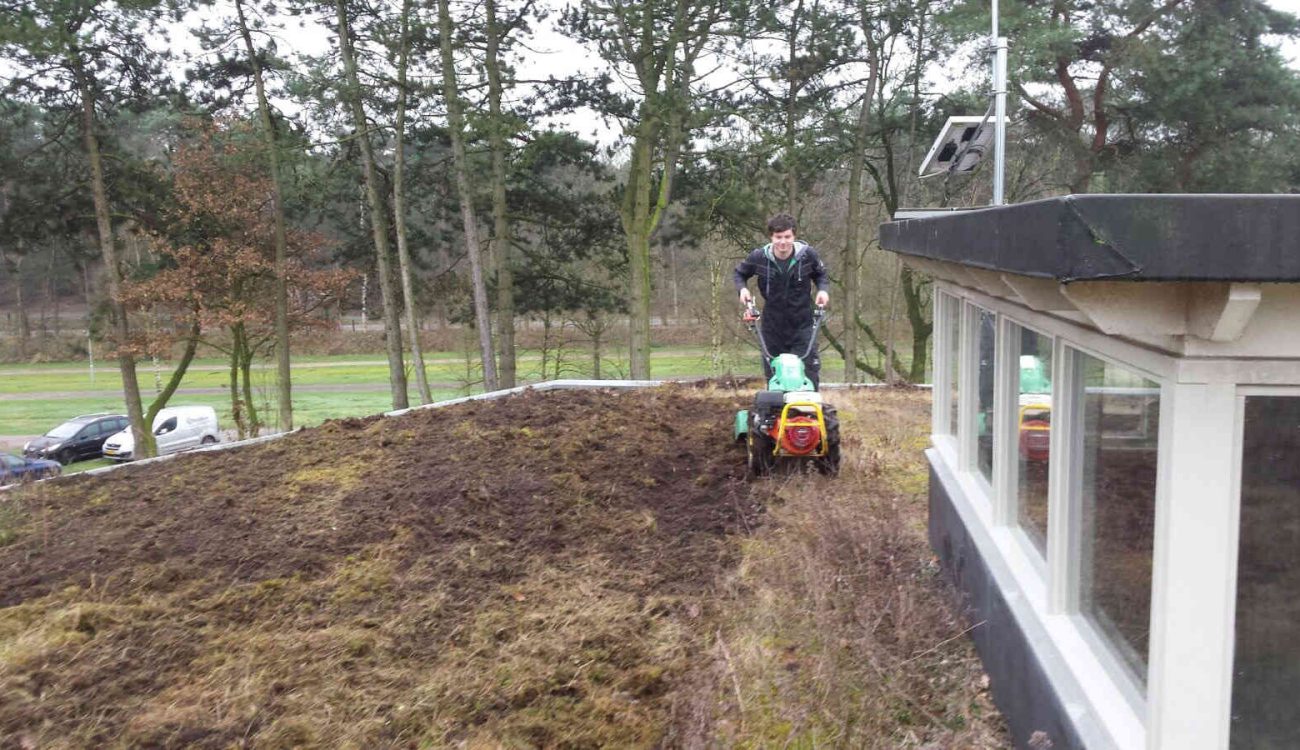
(81, 466)
(344, 370)
(57, 394)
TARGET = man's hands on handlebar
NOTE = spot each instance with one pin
(747, 299)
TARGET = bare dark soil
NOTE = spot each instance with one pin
(548, 570)
(294, 506)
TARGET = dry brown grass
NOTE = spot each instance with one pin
(837, 629)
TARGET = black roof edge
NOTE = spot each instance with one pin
(1137, 237)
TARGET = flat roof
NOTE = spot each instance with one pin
(1138, 237)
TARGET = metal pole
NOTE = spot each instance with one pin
(999, 114)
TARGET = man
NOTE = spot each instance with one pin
(786, 268)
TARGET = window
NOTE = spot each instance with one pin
(1266, 661)
(64, 431)
(1033, 432)
(166, 427)
(985, 334)
(950, 322)
(1115, 482)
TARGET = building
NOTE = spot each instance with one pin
(1115, 461)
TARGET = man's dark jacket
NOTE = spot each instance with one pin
(784, 284)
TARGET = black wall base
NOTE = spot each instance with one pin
(1021, 689)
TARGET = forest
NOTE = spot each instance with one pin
(238, 175)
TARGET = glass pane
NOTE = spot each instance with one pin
(1120, 412)
(987, 327)
(1266, 663)
(64, 431)
(1035, 420)
(952, 319)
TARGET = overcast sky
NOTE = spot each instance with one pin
(550, 53)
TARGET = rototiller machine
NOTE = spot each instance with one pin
(789, 423)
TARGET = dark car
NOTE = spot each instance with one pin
(76, 439)
(14, 469)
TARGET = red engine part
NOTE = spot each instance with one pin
(1035, 440)
(801, 435)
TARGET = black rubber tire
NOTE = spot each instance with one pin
(830, 463)
(758, 449)
(208, 440)
(64, 457)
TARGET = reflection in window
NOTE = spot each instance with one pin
(952, 320)
(986, 326)
(1266, 662)
(1117, 460)
(1034, 412)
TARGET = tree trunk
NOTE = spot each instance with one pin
(791, 111)
(560, 341)
(891, 374)
(399, 211)
(143, 434)
(378, 214)
(501, 244)
(245, 371)
(24, 322)
(716, 281)
(636, 218)
(178, 374)
(57, 299)
(852, 256)
(672, 280)
(236, 408)
(241, 385)
(284, 395)
(455, 121)
(921, 328)
(546, 340)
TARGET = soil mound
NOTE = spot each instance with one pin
(531, 571)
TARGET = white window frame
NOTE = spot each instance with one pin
(1048, 584)
(1187, 701)
(944, 439)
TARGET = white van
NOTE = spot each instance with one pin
(176, 428)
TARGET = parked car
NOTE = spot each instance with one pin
(76, 439)
(14, 469)
(176, 428)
